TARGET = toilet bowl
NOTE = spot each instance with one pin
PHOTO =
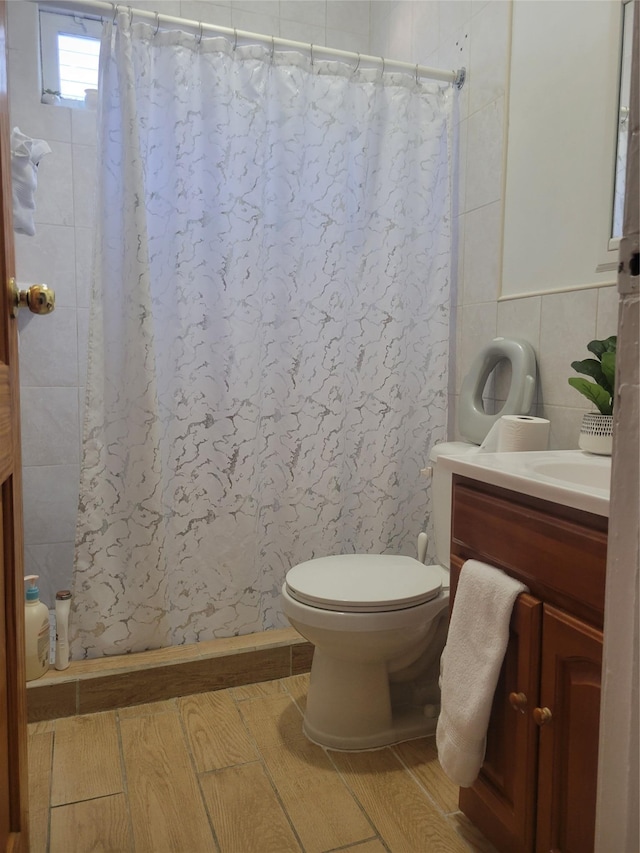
(361, 646)
(379, 622)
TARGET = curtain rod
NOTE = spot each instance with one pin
(104, 10)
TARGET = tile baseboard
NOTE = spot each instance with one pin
(104, 684)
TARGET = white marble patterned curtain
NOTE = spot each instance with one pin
(269, 330)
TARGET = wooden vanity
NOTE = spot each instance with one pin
(537, 787)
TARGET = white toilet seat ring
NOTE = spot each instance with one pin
(335, 620)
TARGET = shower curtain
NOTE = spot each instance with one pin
(269, 330)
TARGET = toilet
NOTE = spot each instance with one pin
(379, 622)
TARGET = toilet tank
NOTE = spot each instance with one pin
(441, 495)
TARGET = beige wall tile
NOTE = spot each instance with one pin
(567, 324)
(483, 231)
(607, 316)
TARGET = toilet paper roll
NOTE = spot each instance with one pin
(522, 432)
(517, 432)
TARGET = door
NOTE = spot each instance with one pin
(569, 720)
(13, 727)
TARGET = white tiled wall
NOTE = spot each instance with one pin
(474, 33)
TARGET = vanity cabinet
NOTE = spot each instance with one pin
(537, 787)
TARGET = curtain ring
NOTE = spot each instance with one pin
(382, 58)
(200, 31)
(235, 38)
(115, 13)
(417, 81)
(355, 70)
(273, 48)
(130, 15)
(157, 24)
(311, 46)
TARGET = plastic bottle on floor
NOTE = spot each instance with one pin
(36, 631)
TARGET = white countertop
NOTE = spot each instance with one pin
(569, 477)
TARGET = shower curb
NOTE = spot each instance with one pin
(105, 684)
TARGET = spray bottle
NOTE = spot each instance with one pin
(63, 606)
(36, 631)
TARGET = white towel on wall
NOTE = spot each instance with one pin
(470, 666)
(26, 153)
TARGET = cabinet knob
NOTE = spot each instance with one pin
(542, 716)
(518, 702)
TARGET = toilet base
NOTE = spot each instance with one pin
(350, 706)
(407, 724)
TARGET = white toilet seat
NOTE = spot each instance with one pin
(362, 583)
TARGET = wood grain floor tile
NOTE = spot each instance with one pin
(215, 731)
(298, 687)
(421, 757)
(474, 838)
(245, 811)
(86, 758)
(257, 691)
(404, 818)
(41, 726)
(97, 825)
(321, 808)
(167, 812)
(373, 846)
(40, 752)
(148, 708)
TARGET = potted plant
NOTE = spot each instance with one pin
(597, 427)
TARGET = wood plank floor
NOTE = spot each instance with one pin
(231, 772)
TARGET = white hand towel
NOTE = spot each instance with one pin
(470, 666)
(26, 153)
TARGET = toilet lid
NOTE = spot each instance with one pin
(363, 582)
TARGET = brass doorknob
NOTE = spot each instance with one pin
(39, 298)
(518, 702)
(542, 716)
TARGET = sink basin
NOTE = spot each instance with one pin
(594, 473)
(569, 477)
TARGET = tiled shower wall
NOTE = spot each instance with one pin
(53, 349)
(475, 34)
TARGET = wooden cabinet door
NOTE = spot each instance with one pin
(13, 727)
(568, 747)
(501, 802)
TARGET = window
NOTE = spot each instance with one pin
(70, 50)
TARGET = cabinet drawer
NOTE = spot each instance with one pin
(560, 554)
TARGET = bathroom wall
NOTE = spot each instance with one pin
(53, 349)
(558, 325)
(443, 33)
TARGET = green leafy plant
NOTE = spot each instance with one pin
(50, 92)
(602, 370)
